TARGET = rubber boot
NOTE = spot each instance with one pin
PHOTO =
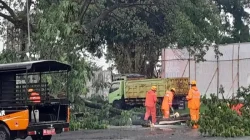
(195, 126)
(152, 125)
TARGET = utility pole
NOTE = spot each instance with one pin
(189, 67)
(218, 74)
(238, 67)
(233, 72)
(28, 25)
(195, 63)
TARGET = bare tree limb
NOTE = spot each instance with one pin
(84, 9)
(9, 18)
(11, 12)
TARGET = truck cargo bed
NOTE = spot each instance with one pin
(139, 88)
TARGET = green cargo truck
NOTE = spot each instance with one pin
(132, 91)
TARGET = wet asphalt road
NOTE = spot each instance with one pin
(138, 133)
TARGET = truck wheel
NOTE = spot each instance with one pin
(4, 133)
(118, 104)
(39, 137)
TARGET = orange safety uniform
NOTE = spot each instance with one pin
(34, 96)
(150, 104)
(193, 98)
(167, 103)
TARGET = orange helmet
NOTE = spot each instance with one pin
(154, 88)
(193, 82)
(30, 90)
(173, 89)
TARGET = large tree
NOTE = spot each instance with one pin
(134, 31)
(59, 30)
(137, 34)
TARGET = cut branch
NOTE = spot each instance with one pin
(99, 106)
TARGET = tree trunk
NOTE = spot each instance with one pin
(99, 106)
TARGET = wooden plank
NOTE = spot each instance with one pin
(164, 123)
(171, 122)
(174, 119)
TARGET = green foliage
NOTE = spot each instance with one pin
(220, 120)
(91, 118)
(138, 33)
(8, 56)
(92, 122)
(239, 30)
(134, 32)
(55, 35)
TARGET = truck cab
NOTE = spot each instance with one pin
(116, 92)
(22, 116)
(117, 88)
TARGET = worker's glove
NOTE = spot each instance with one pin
(176, 114)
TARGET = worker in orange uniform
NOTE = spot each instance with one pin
(193, 98)
(34, 96)
(167, 103)
(150, 104)
(237, 108)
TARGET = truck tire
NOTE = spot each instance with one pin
(118, 104)
(39, 137)
(4, 133)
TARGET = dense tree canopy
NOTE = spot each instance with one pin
(137, 34)
(134, 31)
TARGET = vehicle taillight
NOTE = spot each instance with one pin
(65, 129)
(31, 133)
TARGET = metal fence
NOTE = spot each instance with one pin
(232, 70)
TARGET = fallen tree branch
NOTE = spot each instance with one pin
(99, 106)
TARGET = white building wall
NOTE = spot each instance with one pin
(175, 64)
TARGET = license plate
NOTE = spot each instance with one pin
(49, 132)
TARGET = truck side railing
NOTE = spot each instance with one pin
(12, 94)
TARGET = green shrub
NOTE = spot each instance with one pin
(220, 120)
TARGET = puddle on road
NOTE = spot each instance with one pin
(193, 133)
(173, 130)
(160, 130)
